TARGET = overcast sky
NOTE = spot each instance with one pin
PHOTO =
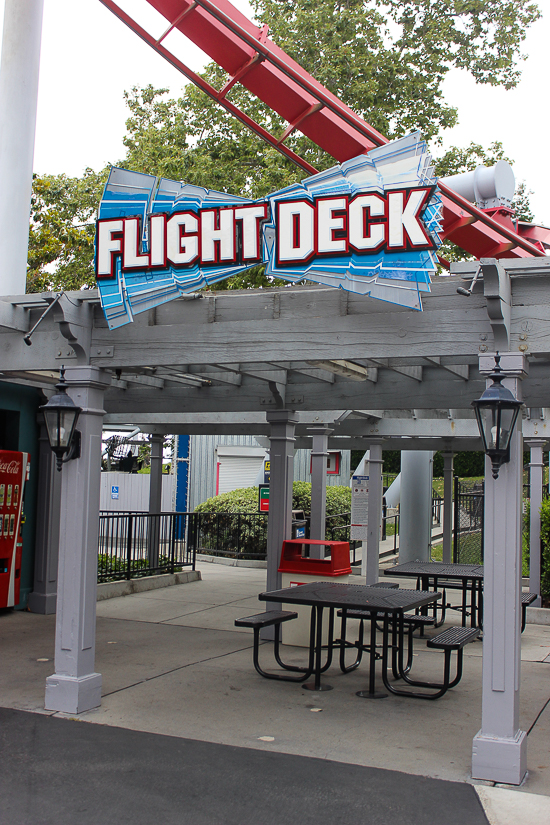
(89, 58)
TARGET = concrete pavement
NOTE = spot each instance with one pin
(174, 665)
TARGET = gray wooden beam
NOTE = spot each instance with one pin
(13, 317)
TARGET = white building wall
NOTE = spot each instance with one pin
(133, 492)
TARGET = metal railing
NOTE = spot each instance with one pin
(468, 522)
(136, 544)
(338, 528)
(233, 535)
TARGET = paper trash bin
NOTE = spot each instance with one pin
(297, 567)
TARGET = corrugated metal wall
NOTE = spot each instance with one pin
(202, 469)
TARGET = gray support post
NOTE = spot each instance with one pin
(155, 500)
(447, 507)
(536, 465)
(18, 98)
(279, 521)
(499, 748)
(375, 513)
(319, 455)
(415, 507)
(44, 596)
(75, 686)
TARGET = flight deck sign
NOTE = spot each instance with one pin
(369, 225)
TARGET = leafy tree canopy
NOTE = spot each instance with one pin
(385, 58)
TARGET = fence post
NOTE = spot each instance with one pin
(456, 520)
(129, 539)
(172, 519)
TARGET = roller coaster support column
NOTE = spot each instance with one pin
(415, 508)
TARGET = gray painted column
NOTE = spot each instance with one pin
(375, 513)
(18, 99)
(319, 455)
(536, 465)
(415, 506)
(155, 499)
(279, 523)
(75, 686)
(499, 748)
(448, 507)
(44, 596)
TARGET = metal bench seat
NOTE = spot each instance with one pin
(270, 617)
(275, 618)
(453, 638)
(526, 600)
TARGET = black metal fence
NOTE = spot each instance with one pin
(234, 535)
(136, 544)
(468, 522)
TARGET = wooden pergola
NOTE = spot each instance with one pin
(296, 364)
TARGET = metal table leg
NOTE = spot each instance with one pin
(370, 693)
(316, 685)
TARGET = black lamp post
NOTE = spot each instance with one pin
(496, 412)
(61, 415)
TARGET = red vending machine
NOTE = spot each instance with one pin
(14, 472)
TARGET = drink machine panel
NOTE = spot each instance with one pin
(14, 470)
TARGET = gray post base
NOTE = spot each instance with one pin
(45, 603)
(73, 694)
(499, 759)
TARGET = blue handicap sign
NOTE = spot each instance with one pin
(114, 492)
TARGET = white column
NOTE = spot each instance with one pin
(415, 506)
(375, 513)
(279, 523)
(536, 465)
(75, 686)
(319, 455)
(18, 99)
(447, 507)
(499, 748)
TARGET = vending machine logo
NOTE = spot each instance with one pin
(10, 467)
(369, 225)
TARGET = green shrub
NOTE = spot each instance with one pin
(113, 568)
(247, 537)
(545, 537)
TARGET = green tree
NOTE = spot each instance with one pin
(387, 58)
(62, 230)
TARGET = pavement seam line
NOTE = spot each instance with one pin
(539, 714)
(174, 670)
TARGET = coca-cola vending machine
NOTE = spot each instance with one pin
(14, 472)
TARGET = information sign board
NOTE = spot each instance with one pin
(359, 508)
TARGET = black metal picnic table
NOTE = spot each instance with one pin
(433, 574)
(388, 604)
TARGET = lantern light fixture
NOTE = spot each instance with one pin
(496, 412)
(61, 415)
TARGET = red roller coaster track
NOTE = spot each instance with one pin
(247, 55)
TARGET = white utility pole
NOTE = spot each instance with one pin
(19, 71)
